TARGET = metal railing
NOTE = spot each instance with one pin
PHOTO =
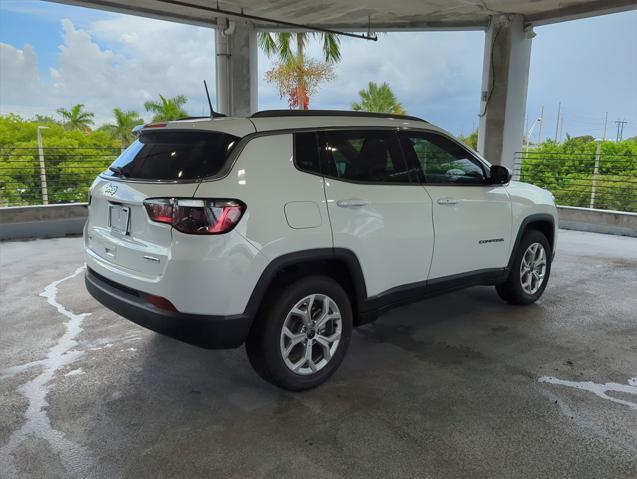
(64, 174)
(57, 175)
(594, 180)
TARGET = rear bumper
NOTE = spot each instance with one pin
(211, 332)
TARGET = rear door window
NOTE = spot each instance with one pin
(372, 156)
(174, 155)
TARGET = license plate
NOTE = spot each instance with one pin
(118, 218)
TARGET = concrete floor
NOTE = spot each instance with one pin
(455, 386)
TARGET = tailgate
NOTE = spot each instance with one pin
(119, 230)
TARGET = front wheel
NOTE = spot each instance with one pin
(303, 335)
(529, 272)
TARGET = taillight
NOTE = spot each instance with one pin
(160, 209)
(195, 216)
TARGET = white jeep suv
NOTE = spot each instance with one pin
(287, 229)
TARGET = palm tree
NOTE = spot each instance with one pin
(167, 109)
(76, 118)
(280, 45)
(379, 99)
(125, 121)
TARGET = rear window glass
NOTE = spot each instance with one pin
(174, 155)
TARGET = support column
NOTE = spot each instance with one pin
(222, 66)
(236, 65)
(505, 77)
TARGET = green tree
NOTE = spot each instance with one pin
(296, 75)
(280, 45)
(44, 119)
(122, 129)
(76, 118)
(567, 170)
(167, 109)
(580, 139)
(73, 159)
(471, 140)
(379, 99)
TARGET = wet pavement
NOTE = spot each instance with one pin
(461, 385)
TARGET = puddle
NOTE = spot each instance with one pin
(15, 370)
(99, 348)
(600, 390)
(74, 457)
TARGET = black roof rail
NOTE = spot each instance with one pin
(216, 115)
(363, 114)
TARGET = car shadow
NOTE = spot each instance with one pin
(209, 402)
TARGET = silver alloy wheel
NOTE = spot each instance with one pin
(311, 333)
(533, 268)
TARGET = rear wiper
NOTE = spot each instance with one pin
(117, 170)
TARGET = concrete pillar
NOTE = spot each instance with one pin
(505, 77)
(236, 65)
(222, 66)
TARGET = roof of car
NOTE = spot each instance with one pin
(272, 120)
(331, 113)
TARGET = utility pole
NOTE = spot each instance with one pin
(529, 132)
(45, 193)
(598, 151)
(620, 129)
(605, 125)
(557, 123)
(539, 130)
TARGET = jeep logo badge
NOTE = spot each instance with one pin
(110, 189)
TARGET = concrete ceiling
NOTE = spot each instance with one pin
(355, 14)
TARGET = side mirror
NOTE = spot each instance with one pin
(499, 175)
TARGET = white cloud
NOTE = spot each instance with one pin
(435, 75)
(123, 61)
(107, 60)
(19, 78)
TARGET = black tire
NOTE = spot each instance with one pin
(264, 341)
(511, 290)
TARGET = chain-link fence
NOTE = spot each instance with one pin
(29, 176)
(586, 180)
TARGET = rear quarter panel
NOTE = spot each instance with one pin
(286, 208)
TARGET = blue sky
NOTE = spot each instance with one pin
(55, 55)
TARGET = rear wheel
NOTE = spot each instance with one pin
(530, 270)
(303, 335)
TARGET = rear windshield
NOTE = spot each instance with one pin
(175, 155)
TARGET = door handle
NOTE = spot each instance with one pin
(447, 201)
(352, 203)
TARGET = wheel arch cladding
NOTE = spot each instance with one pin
(340, 264)
(547, 228)
(542, 222)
